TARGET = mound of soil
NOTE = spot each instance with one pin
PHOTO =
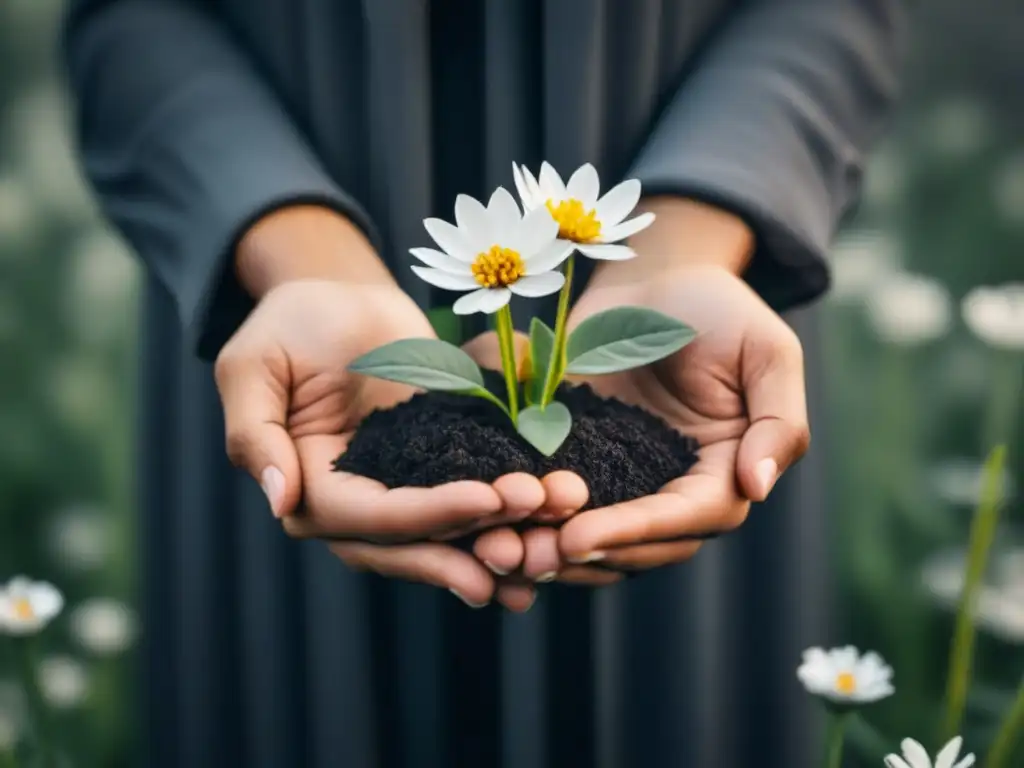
(621, 451)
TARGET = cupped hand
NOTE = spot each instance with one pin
(291, 406)
(738, 388)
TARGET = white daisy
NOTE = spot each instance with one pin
(493, 252)
(843, 676)
(996, 315)
(916, 756)
(595, 225)
(28, 606)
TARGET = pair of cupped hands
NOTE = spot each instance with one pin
(324, 298)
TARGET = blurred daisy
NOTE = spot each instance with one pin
(594, 224)
(959, 481)
(999, 609)
(909, 309)
(996, 315)
(843, 676)
(103, 626)
(494, 252)
(27, 606)
(916, 756)
(63, 681)
(860, 262)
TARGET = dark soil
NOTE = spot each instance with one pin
(621, 451)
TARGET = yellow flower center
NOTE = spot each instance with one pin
(22, 609)
(574, 223)
(846, 683)
(498, 267)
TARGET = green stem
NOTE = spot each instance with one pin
(983, 530)
(41, 730)
(1009, 734)
(556, 366)
(834, 740)
(506, 341)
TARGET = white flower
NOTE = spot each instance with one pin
(959, 480)
(28, 606)
(594, 224)
(493, 252)
(63, 681)
(916, 756)
(999, 608)
(996, 315)
(860, 262)
(103, 626)
(843, 676)
(79, 537)
(910, 309)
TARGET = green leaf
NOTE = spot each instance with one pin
(545, 428)
(542, 340)
(623, 338)
(426, 363)
(447, 325)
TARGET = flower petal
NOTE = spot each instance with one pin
(915, 754)
(451, 240)
(439, 260)
(584, 185)
(446, 280)
(525, 196)
(607, 252)
(618, 202)
(547, 259)
(627, 228)
(543, 284)
(504, 213)
(551, 185)
(535, 232)
(967, 762)
(474, 221)
(949, 753)
(46, 601)
(485, 300)
(895, 761)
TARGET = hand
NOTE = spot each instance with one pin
(738, 388)
(291, 406)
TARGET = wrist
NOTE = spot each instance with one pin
(685, 234)
(305, 242)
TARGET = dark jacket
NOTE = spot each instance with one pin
(195, 118)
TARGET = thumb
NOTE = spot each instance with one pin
(778, 434)
(255, 400)
(486, 351)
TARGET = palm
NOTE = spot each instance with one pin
(697, 390)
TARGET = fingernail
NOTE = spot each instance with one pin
(589, 557)
(529, 605)
(470, 603)
(272, 482)
(495, 569)
(767, 472)
(546, 577)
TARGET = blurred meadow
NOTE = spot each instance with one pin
(906, 385)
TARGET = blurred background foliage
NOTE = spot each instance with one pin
(906, 384)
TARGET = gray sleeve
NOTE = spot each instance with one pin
(185, 147)
(773, 125)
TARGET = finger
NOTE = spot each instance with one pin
(486, 351)
(428, 563)
(516, 597)
(694, 505)
(541, 558)
(776, 398)
(254, 394)
(521, 494)
(646, 556)
(500, 549)
(343, 505)
(565, 493)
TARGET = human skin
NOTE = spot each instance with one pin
(738, 388)
(291, 406)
